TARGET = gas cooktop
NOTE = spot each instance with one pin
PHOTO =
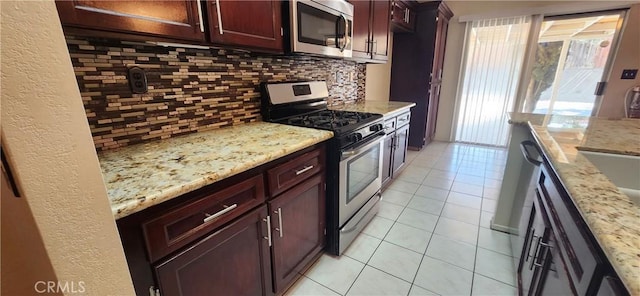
(333, 120)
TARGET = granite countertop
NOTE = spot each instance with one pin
(612, 217)
(144, 175)
(386, 108)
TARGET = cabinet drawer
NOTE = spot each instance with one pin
(188, 222)
(295, 171)
(389, 125)
(403, 119)
(581, 256)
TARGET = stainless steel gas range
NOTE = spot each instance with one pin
(354, 154)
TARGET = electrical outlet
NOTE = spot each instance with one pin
(137, 80)
(629, 74)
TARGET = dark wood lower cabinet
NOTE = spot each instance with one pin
(537, 231)
(233, 237)
(387, 159)
(554, 277)
(297, 219)
(400, 148)
(232, 261)
(560, 256)
(394, 153)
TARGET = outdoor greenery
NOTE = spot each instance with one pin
(543, 72)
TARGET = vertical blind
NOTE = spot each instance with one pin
(494, 54)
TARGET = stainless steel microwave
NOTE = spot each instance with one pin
(321, 27)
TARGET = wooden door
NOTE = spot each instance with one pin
(361, 39)
(435, 84)
(231, 261)
(256, 24)
(381, 17)
(298, 229)
(173, 19)
(432, 113)
(400, 152)
(387, 158)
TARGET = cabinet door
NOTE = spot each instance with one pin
(400, 148)
(387, 159)
(298, 224)
(575, 242)
(179, 19)
(554, 279)
(231, 261)
(256, 24)
(402, 17)
(528, 274)
(380, 29)
(361, 41)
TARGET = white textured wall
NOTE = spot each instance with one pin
(378, 79)
(46, 134)
(627, 57)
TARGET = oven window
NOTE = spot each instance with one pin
(316, 26)
(361, 171)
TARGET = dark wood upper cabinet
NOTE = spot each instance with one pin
(256, 24)
(172, 19)
(232, 261)
(381, 11)
(371, 21)
(403, 16)
(361, 27)
(297, 219)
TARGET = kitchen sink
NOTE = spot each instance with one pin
(622, 170)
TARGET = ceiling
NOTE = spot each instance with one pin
(579, 28)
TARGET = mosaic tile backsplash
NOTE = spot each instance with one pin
(190, 90)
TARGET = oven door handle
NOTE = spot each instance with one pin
(360, 148)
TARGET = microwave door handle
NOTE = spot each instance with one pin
(341, 32)
(346, 33)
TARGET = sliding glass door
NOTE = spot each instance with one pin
(570, 64)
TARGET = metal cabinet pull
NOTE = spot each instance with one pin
(280, 228)
(542, 254)
(219, 16)
(200, 21)
(535, 251)
(268, 237)
(304, 170)
(220, 213)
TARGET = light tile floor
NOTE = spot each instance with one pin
(431, 235)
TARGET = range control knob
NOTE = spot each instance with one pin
(376, 127)
(355, 137)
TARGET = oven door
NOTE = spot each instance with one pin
(360, 176)
(321, 27)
